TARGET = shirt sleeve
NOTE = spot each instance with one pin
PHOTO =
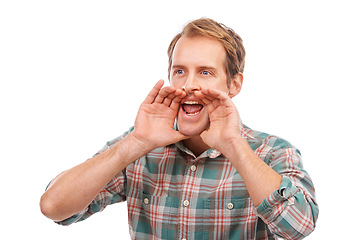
(113, 192)
(291, 211)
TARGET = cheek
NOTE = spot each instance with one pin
(222, 85)
(176, 83)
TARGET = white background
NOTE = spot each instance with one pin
(73, 74)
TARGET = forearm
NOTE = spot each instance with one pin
(293, 213)
(260, 180)
(285, 200)
(74, 189)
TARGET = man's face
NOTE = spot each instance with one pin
(197, 63)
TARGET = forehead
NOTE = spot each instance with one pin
(196, 51)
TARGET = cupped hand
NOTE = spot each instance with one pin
(225, 125)
(154, 124)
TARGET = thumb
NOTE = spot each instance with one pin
(179, 136)
(205, 136)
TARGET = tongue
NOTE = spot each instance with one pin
(192, 108)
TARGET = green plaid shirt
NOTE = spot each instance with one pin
(172, 194)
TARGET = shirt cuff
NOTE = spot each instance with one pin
(274, 205)
(73, 219)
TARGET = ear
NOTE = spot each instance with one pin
(236, 84)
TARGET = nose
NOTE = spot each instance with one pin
(191, 85)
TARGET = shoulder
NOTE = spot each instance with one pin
(264, 143)
(113, 142)
(254, 136)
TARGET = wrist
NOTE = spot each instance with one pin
(236, 148)
(126, 151)
(138, 144)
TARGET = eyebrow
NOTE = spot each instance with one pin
(200, 67)
(207, 67)
(177, 66)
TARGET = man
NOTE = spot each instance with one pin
(189, 168)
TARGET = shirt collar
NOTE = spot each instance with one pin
(211, 153)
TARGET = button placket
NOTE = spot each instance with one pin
(184, 211)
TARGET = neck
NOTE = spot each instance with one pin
(196, 145)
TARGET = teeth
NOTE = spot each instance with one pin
(193, 114)
(191, 102)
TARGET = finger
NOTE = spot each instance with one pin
(163, 93)
(168, 99)
(179, 136)
(179, 95)
(175, 97)
(154, 92)
(223, 97)
(207, 99)
(212, 99)
(216, 94)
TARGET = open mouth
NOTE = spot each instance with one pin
(192, 108)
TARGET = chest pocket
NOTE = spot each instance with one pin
(149, 216)
(229, 218)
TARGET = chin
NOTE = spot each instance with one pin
(191, 129)
(190, 132)
(192, 124)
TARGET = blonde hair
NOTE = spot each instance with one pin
(231, 41)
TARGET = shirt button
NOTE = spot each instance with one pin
(186, 203)
(230, 206)
(193, 168)
(146, 201)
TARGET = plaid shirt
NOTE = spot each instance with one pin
(172, 194)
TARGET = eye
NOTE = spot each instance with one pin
(179, 71)
(206, 73)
